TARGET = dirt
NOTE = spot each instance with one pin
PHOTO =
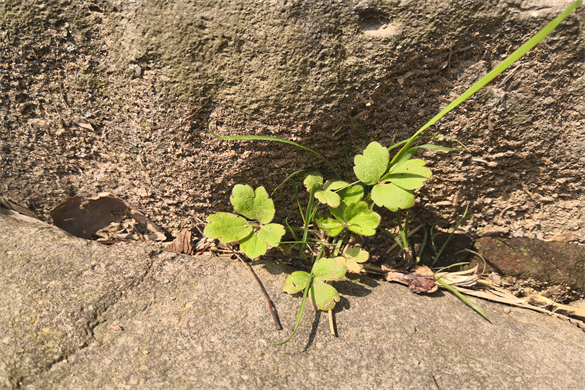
(89, 105)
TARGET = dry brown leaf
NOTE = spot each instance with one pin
(83, 123)
(84, 217)
(421, 280)
(183, 243)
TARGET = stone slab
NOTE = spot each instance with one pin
(78, 315)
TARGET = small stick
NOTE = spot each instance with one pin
(270, 305)
(374, 268)
(435, 382)
(510, 75)
(332, 323)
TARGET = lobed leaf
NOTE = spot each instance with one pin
(257, 243)
(324, 295)
(357, 254)
(392, 197)
(370, 166)
(328, 195)
(313, 181)
(332, 226)
(329, 269)
(409, 175)
(227, 227)
(352, 265)
(252, 205)
(296, 282)
(347, 196)
(361, 219)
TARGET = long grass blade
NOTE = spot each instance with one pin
(515, 56)
(271, 139)
(462, 297)
(366, 138)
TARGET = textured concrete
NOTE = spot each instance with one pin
(78, 315)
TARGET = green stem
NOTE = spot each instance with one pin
(303, 302)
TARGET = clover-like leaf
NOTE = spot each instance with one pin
(351, 194)
(352, 257)
(392, 197)
(370, 166)
(329, 269)
(361, 219)
(357, 254)
(409, 175)
(347, 196)
(323, 295)
(227, 227)
(296, 282)
(253, 205)
(329, 198)
(313, 181)
(351, 265)
(331, 226)
(328, 195)
(257, 243)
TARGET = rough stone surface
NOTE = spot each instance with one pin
(78, 315)
(150, 76)
(553, 262)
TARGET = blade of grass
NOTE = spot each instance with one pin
(451, 266)
(422, 246)
(303, 302)
(285, 180)
(271, 139)
(361, 127)
(429, 137)
(462, 297)
(450, 236)
(515, 56)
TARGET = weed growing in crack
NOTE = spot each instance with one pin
(337, 211)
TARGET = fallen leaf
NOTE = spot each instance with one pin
(84, 217)
(183, 243)
(83, 123)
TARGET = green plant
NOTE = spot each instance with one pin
(337, 210)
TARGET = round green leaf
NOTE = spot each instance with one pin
(323, 294)
(357, 254)
(313, 181)
(329, 269)
(271, 234)
(409, 175)
(252, 205)
(351, 194)
(331, 226)
(370, 166)
(329, 198)
(392, 197)
(361, 219)
(227, 227)
(257, 243)
(296, 282)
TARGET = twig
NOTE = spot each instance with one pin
(435, 382)
(332, 323)
(270, 304)
(510, 75)
(374, 268)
